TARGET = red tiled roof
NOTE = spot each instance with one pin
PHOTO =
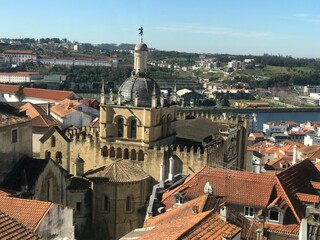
(10, 228)
(39, 117)
(276, 163)
(19, 73)
(315, 185)
(28, 212)
(286, 229)
(38, 93)
(309, 198)
(19, 51)
(290, 142)
(258, 104)
(65, 107)
(182, 223)
(297, 179)
(258, 134)
(233, 185)
(250, 189)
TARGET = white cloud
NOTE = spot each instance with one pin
(302, 15)
(307, 17)
(192, 28)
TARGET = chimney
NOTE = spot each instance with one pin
(162, 173)
(48, 109)
(295, 155)
(171, 169)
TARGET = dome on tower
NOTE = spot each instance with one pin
(141, 46)
(141, 86)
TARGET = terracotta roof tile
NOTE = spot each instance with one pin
(28, 212)
(39, 93)
(65, 107)
(308, 198)
(19, 51)
(316, 185)
(233, 185)
(121, 170)
(297, 179)
(11, 229)
(292, 229)
(39, 117)
(19, 73)
(182, 223)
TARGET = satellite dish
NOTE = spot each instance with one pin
(207, 188)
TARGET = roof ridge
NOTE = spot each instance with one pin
(25, 199)
(288, 199)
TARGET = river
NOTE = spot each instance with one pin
(298, 117)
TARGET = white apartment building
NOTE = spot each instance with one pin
(19, 77)
(19, 56)
(277, 127)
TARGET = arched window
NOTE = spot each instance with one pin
(59, 157)
(47, 154)
(133, 154)
(104, 151)
(140, 155)
(129, 204)
(133, 129)
(119, 153)
(126, 153)
(106, 204)
(112, 152)
(53, 141)
(120, 127)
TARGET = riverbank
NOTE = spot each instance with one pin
(250, 110)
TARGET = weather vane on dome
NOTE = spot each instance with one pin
(141, 32)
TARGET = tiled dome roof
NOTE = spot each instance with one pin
(143, 86)
(119, 171)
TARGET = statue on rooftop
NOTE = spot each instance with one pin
(141, 31)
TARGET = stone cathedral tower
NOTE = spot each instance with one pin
(139, 115)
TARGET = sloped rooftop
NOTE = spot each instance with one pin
(183, 223)
(10, 228)
(118, 171)
(28, 212)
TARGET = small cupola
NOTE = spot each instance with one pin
(78, 166)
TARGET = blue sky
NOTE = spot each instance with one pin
(286, 27)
